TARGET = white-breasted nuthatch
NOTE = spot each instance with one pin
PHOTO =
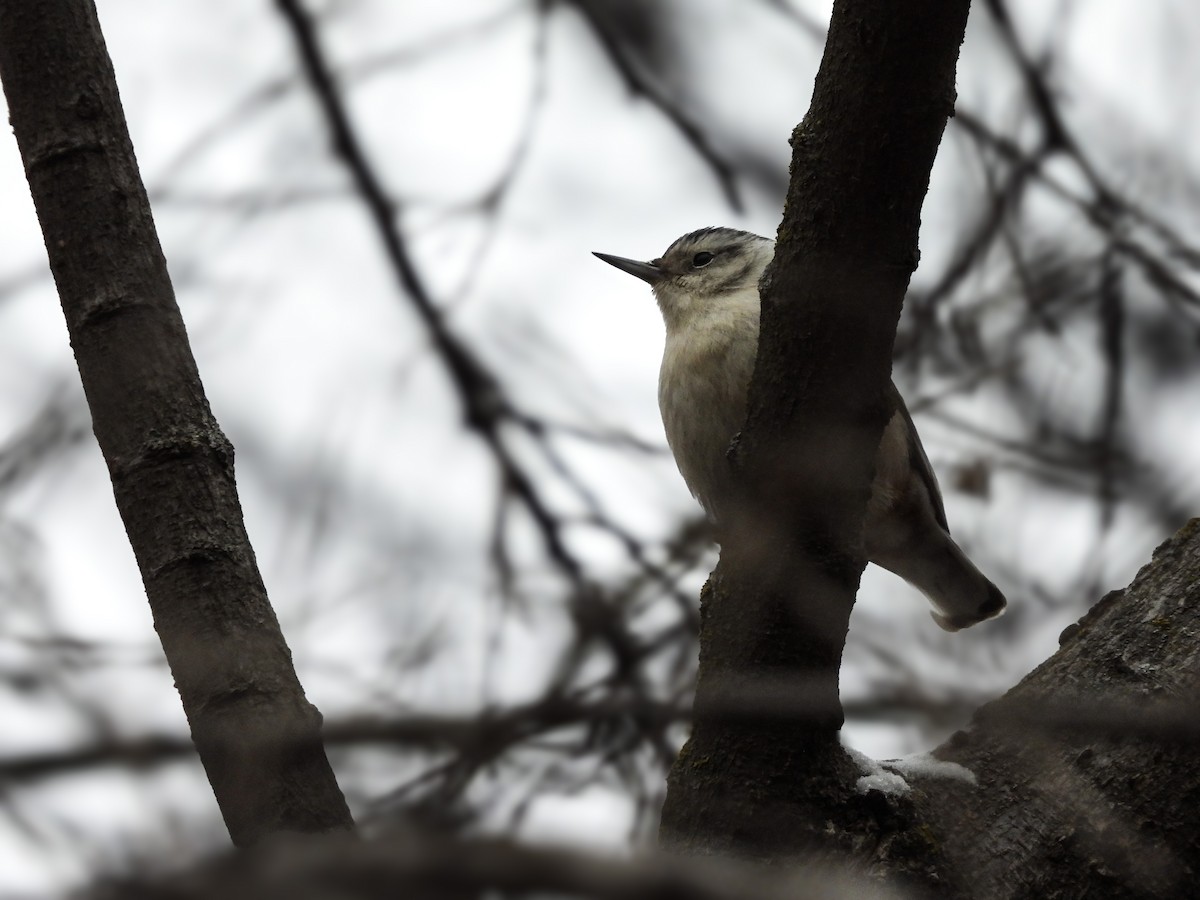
(706, 285)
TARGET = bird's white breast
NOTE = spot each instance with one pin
(702, 387)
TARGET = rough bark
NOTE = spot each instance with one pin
(766, 779)
(1087, 774)
(1082, 781)
(170, 464)
(1088, 771)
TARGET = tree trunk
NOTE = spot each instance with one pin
(763, 774)
(171, 467)
(1084, 780)
(1088, 771)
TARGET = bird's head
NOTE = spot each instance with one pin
(699, 269)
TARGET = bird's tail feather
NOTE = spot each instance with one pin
(960, 594)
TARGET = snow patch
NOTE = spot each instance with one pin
(925, 765)
(888, 776)
(876, 778)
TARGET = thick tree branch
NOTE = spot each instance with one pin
(1088, 771)
(171, 466)
(776, 611)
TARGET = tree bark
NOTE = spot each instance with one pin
(763, 774)
(1088, 771)
(170, 464)
(1084, 780)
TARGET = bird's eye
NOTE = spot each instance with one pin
(700, 260)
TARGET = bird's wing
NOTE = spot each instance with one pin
(919, 461)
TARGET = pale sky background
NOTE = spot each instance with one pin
(316, 368)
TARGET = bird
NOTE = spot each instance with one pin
(706, 285)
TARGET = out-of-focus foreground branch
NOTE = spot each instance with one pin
(421, 866)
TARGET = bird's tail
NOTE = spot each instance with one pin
(960, 594)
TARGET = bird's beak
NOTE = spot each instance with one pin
(648, 272)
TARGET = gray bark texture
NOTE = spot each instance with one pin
(171, 466)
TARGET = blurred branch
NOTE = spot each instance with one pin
(421, 866)
(62, 421)
(802, 19)
(640, 83)
(478, 741)
(276, 89)
(487, 407)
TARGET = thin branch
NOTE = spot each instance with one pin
(639, 83)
